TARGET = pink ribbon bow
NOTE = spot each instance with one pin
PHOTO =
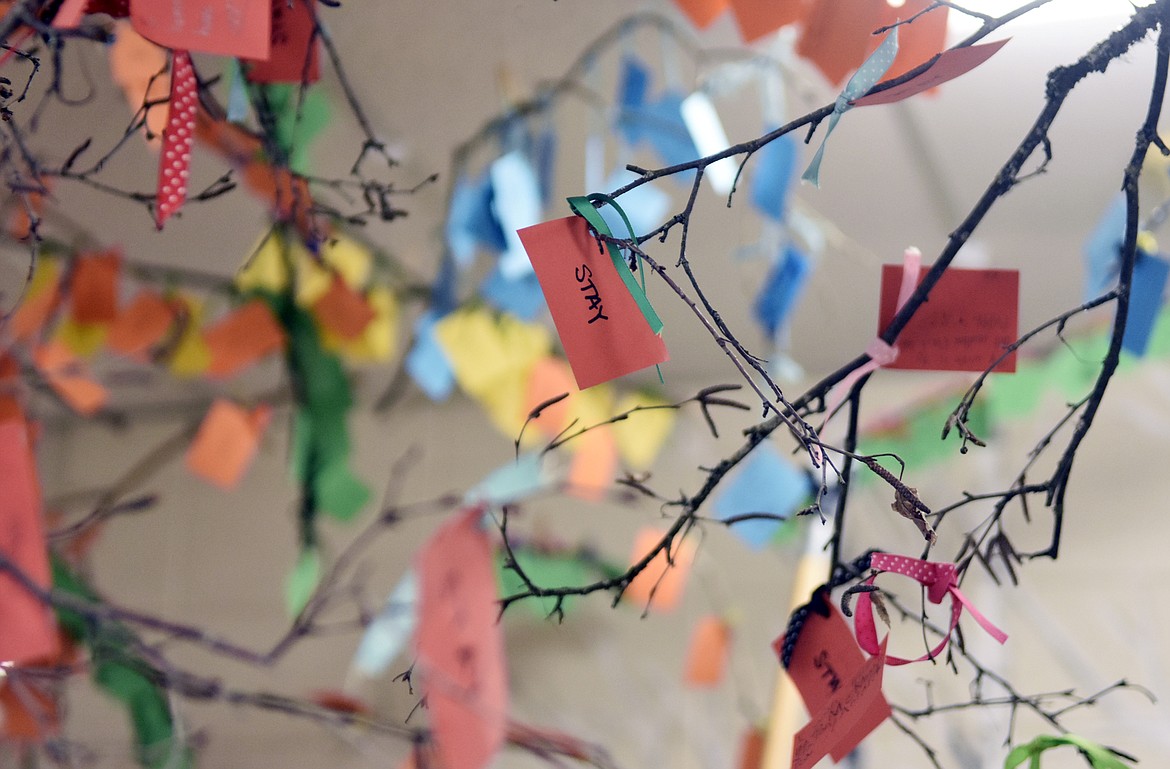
(880, 354)
(939, 579)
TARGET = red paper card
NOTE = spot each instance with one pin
(949, 66)
(601, 328)
(225, 27)
(69, 378)
(141, 325)
(291, 42)
(227, 442)
(28, 631)
(94, 287)
(660, 585)
(241, 338)
(702, 12)
(460, 644)
(342, 310)
(756, 18)
(969, 321)
(824, 663)
(838, 728)
(707, 657)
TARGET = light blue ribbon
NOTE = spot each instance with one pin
(859, 85)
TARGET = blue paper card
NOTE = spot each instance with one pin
(766, 482)
(512, 482)
(646, 206)
(1145, 302)
(1103, 249)
(387, 635)
(517, 204)
(520, 296)
(774, 173)
(471, 221)
(661, 125)
(781, 290)
(633, 85)
(426, 362)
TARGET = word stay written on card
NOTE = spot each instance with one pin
(604, 334)
(828, 669)
(969, 322)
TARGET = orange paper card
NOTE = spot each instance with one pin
(751, 748)
(601, 328)
(702, 12)
(226, 443)
(970, 320)
(143, 323)
(241, 338)
(825, 666)
(28, 631)
(293, 52)
(594, 465)
(838, 35)
(342, 310)
(661, 583)
(756, 18)
(94, 287)
(37, 306)
(707, 657)
(460, 643)
(225, 27)
(919, 40)
(69, 378)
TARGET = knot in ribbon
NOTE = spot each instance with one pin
(864, 79)
(879, 351)
(939, 579)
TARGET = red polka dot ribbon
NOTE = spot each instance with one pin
(175, 160)
(939, 579)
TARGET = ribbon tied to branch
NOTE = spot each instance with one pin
(880, 353)
(871, 72)
(940, 580)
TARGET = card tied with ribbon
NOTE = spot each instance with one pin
(940, 580)
(603, 318)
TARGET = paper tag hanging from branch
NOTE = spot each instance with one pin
(174, 162)
(606, 324)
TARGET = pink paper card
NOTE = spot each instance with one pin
(824, 664)
(28, 631)
(838, 727)
(604, 334)
(950, 65)
(225, 27)
(293, 54)
(460, 644)
(970, 320)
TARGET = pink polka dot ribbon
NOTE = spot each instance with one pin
(175, 160)
(939, 579)
(880, 354)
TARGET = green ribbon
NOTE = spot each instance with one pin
(583, 206)
(1098, 757)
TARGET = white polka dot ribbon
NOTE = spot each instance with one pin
(880, 354)
(864, 79)
(939, 579)
(175, 159)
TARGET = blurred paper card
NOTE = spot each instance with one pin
(702, 12)
(773, 175)
(517, 204)
(460, 644)
(293, 56)
(604, 334)
(970, 320)
(141, 325)
(660, 585)
(706, 130)
(707, 656)
(241, 338)
(227, 442)
(69, 378)
(757, 18)
(765, 483)
(94, 287)
(1145, 302)
(28, 633)
(781, 290)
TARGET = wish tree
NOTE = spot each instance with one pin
(463, 429)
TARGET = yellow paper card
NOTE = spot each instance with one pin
(641, 437)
